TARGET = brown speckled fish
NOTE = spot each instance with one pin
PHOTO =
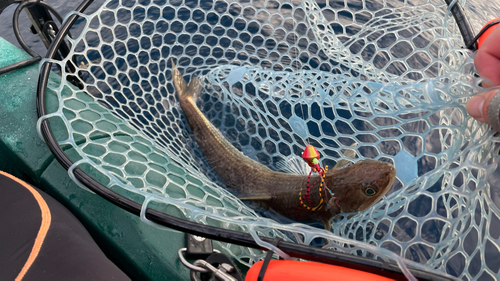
(354, 188)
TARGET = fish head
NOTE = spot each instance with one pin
(359, 186)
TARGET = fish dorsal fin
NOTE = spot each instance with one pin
(255, 197)
(349, 153)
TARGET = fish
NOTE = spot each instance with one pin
(352, 188)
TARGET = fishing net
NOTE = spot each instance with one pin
(388, 79)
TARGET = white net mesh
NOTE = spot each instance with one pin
(391, 77)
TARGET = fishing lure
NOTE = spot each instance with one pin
(311, 157)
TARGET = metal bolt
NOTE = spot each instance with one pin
(226, 267)
(51, 31)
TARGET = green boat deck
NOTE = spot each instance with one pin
(142, 251)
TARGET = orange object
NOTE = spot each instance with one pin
(311, 155)
(487, 33)
(311, 271)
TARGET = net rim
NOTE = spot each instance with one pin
(389, 269)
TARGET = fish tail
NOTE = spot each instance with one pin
(183, 89)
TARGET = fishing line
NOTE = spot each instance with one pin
(294, 43)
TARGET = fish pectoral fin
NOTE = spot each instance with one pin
(255, 197)
(332, 206)
(349, 153)
(342, 163)
(328, 226)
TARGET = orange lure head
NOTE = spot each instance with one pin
(311, 156)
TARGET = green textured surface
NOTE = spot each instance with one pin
(10, 54)
(142, 251)
(22, 153)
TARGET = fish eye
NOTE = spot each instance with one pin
(370, 190)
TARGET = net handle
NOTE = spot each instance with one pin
(463, 24)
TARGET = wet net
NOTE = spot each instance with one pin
(389, 80)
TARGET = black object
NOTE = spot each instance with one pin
(20, 64)
(42, 24)
(472, 45)
(216, 259)
(463, 24)
(5, 3)
(198, 247)
(268, 258)
(388, 269)
(66, 251)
